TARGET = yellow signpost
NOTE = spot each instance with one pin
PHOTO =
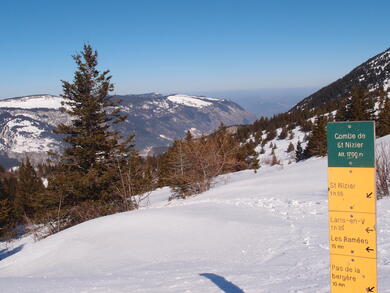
(352, 207)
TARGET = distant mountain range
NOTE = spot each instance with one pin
(27, 123)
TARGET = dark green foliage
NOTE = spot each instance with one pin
(306, 126)
(271, 134)
(290, 148)
(29, 191)
(247, 157)
(317, 144)
(341, 112)
(243, 133)
(8, 219)
(95, 156)
(91, 142)
(383, 120)
(258, 138)
(299, 152)
(5, 213)
(360, 107)
(94, 149)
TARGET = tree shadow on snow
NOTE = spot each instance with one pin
(222, 283)
(4, 253)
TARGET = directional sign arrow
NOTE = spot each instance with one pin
(368, 230)
(369, 249)
(370, 289)
(368, 195)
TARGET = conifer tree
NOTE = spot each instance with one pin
(247, 157)
(5, 210)
(94, 149)
(360, 107)
(271, 134)
(7, 197)
(283, 134)
(341, 113)
(6, 225)
(299, 152)
(383, 120)
(290, 148)
(258, 138)
(306, 125)
(29, 191)
(317, 144)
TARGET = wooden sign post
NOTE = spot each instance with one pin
(352, 207)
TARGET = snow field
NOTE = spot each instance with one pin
(263, 232)
(281, 148)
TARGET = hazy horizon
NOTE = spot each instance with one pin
(188, 46)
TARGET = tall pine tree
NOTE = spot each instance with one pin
(88, 168)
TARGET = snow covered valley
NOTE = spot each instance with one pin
(263, 232)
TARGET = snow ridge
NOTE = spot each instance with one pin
(33, 102)
(191, 101)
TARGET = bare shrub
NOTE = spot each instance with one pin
(266, 161)
(135, 184)
(193, 164)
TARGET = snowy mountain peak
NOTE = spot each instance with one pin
(33, 102)
(191, 101)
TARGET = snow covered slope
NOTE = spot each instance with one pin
(253, 233)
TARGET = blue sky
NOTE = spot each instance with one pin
(189, 46)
